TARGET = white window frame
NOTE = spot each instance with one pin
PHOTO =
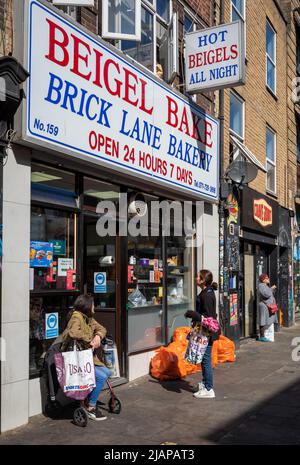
(194, 28)
(241, 138)
(106, 34)
(271, 162)
(173, 22)
(241, 15)
(273, 91)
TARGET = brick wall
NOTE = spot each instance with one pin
(261, 107)
(6, 35)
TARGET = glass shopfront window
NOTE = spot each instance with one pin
(40, 307)
(180, 281)
(53, 255)
(161, 285)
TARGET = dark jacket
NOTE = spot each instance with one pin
(206, 306)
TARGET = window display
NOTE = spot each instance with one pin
(53, 250)
(38, 342)
(145, 292)
(180, 281)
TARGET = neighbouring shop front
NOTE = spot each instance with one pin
(258, 241)
(103, 142)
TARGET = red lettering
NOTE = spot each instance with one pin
(108, 78)
(143, 98)
(172, 113)
(130, 86)
(234, 52)
(97, 80)
(77, 57)
(55, 43)
(192, 63)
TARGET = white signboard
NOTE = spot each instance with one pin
(87, 101)
(64, 264)
(74, 2)
(215, 57)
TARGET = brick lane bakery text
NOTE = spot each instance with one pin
(120, 105)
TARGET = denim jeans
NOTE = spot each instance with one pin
(101, 375)
(207, 371)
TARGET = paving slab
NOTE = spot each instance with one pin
(257, 402)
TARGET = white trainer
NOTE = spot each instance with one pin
(205, 394)
(200, 387)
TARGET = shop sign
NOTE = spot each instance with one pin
(59, 247)
(87, 100)
(100, 283)
(262, 212)
(41, 254)
(64, 264)
(51, 320)
(215, 57)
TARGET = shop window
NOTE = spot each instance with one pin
(53, 250)
(180, 281)
(271, 57)
(53, 185)
(98, 191)
(237, 115)
(157, 52)
(271, 160)
(39, 340)
(161, 278)
(121, 19)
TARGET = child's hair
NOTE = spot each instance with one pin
(208, 278)
(84, 304)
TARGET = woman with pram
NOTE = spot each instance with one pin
(88, 333)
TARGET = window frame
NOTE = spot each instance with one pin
(173, 23)
(241, 15)
(274, 63)
(242, 101)
(271, 162)
(118, 35)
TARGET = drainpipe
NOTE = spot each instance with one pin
(222, 245)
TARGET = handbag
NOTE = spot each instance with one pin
(75, 372)
(273, 308)
(197, 346)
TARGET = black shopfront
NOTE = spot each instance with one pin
(262, 237)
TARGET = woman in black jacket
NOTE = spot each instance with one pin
(206, 307)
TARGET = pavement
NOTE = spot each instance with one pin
(257, 402)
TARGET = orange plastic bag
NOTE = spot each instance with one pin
(223, 350)
(169, 363)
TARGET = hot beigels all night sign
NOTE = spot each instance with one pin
(86, 100)
(215, 57)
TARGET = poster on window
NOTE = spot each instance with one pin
(41, 254)
(64, 264)
(233, 309)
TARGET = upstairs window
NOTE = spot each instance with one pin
(158, 48)
(237, 115)
(271, 57)
(121, 19)
(237, 10)
(271, 160)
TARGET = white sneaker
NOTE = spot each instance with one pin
(200, 386)
(205, 394)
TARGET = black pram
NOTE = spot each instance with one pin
(53, 406)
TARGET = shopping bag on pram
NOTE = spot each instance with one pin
(75, 372)
(198, 342)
